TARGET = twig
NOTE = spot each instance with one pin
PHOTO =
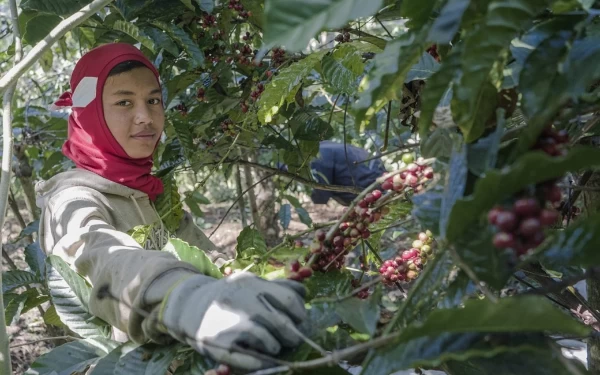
(560, 285)
(465, 267)
(366, 285)
(289, 238)
(236, 202)
(394, 225)
(346, 144)
(385, 28)
(401, 148)
(589, 125)
(44, 45)
(573, 198)
(44, 339)
(293, 328)
(7, 144)
(386, 135)
(332, 359)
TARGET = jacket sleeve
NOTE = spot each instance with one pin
(81, 234)
(189, 232)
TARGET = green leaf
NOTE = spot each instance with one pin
(427, 210)
(329, 284)
(448, 22)
(200, 364)
(168, 204)
(309, 127)
(474, 97)
(13, 305)
(206, 5)
(71, 358)
(476, 249)
(250, 242)
(34, 299)
(196, 56)
(135, 32)
(438, 144)
(36, 259)
(191, 254)
(422, 296)
(482, 155)
(423, 69)
(12, 280)
(304, 216)
(455, 185)
(30, 229)
(342, 68)
(472, 114)
(292, 26)
(437, 87)
(59, 7)
(319, 317)
(577, 245)
(417, 12)
(285, 215)
(70, 295)
(39, 27)
(532, 168)
(278, 90)
(186, 138)
(514, 314)
(162, 40)
(107, 365)
(140, 234)
(51, 317)
(530, 361)
(385, 80)
(147, 359)
(362, 315)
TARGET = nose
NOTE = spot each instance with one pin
(143, 115)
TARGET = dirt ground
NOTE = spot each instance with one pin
(30, 327)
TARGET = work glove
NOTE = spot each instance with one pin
(242, 310)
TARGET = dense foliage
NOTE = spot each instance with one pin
(500, 96)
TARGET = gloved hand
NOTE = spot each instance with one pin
(241, 309)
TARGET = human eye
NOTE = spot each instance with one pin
(123, 103)
(155, 101)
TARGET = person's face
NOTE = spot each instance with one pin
(133, 110)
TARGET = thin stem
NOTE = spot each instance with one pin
(383, 26)
(386, 135)
(289, 238)
(7, 144)
(465, 267)
(366, 285)
(44, 45)
(401, 148)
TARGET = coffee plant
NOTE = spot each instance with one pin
(460, 259)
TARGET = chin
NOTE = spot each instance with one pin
(140, 154)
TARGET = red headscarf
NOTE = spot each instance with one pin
(90, 143)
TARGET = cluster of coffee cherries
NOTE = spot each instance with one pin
(257, 91)
(553, 142)
(414, 176)
(332, 255)
(406, 265)
(521, 225)
(247, 37)
(201, 94)
(343, 37)
(182, 109)
(278, 57)
(244, 54)
(228, 128)
(237, 6)
(208, 21)
(297, 272)
(221, 370)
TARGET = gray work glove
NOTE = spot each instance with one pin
(240, 310)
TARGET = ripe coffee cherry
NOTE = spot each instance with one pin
(376, 194)
(223, 370)
(366, 234)
(409, 254)
(387, 185)
(504, 240)
(320, 235)
(295, 265)
(493, 215)
(305, 272)
(506, 221)
(548, 216)
(526, 207)
(428, 173)
(530, 226)
(552, 193)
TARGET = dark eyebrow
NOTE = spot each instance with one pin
(130, 93)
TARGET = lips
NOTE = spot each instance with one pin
(144, 135)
